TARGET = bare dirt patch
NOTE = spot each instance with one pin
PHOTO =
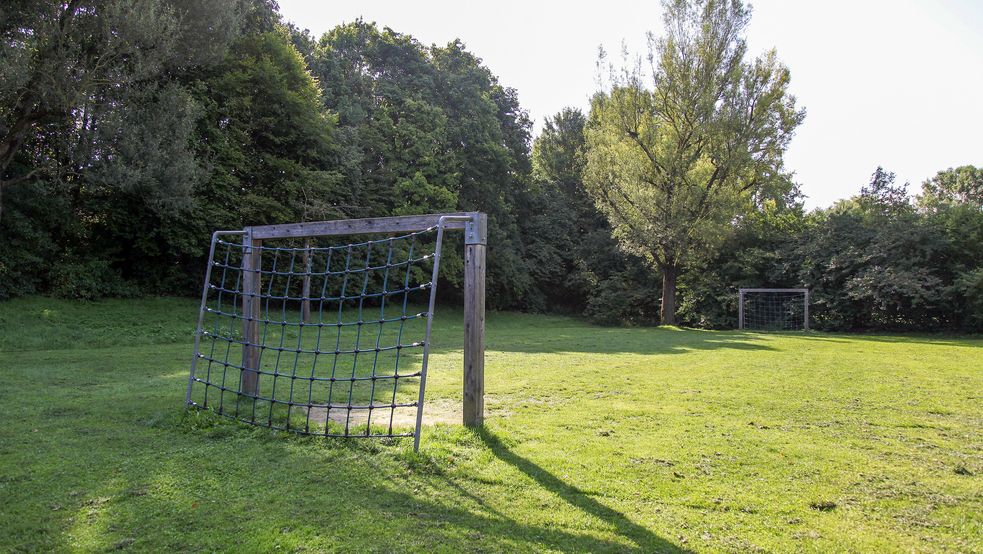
(434, 412)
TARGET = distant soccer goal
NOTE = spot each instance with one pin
(773, 309)
(318, 328)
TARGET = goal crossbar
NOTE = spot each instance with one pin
(474, 224)
(805, 291)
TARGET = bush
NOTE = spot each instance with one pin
(626, 298)
(88, 280)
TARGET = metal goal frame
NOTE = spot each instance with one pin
(740, 303)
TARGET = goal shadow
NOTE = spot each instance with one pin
(644, 539)
(649, 341)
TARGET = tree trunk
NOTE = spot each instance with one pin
(669, 274)
(11, 143)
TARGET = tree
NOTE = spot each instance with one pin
(953, 199)
(961, 185)
(96, 130)
(429, 129)
(557, 154)
(872, 261)
(551, 227)
(266, 145)
(756, 254)
(882, 195)
(64, 65)
(568, 242)
(673, 165)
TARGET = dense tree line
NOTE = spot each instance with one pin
(126, 139)
(878, 260)
(131, 129)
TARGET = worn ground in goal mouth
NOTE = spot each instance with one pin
(434, 412)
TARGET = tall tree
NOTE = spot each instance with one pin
(96, 130)
(64, 65)
(960, 185)
(266, 145)
(568, 242)
(428, 129)
(558, 154)
(673, 164)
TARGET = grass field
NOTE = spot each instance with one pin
(597, 439)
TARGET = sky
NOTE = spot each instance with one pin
(892, 83)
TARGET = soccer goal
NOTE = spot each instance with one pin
(325, 328)
(773, 309)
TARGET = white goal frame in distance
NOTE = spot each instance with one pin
(740, 304)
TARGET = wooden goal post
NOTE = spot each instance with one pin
(240, 280)
(475, 228)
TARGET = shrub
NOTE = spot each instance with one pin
(88, 280)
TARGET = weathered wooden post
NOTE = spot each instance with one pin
(740, 309)
(475, 240)
(251, 310)
(807, 310)
(305, 307)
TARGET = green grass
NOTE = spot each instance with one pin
(597, 439)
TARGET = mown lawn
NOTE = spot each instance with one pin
(597, 439)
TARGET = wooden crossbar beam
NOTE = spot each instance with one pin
(397, 224)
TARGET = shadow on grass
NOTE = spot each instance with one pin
(227, 487)
(620, 340)
(645, 540)
(303, 511)
(964, 341)
(655, 340)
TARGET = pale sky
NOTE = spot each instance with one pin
(892, 83)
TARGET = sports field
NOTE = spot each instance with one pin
(597, 439)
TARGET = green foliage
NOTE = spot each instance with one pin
(628, 296)
(874, 261)
(267, 137)
(754, 255)
(31, 230)
(167, 147)
(265, 144)
(132, 129)
(961, 185)
(573, 257)
(225, 123)
(95, 132)
(67, 66)
(146, 149)
(558, 216)
(671, 166)
(417, 196)
(429, 129)
(966, 296)
(87, 280)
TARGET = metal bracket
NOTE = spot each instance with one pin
(476, 230)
